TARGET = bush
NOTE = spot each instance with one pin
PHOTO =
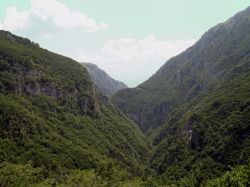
(13, 175)
(239, 176)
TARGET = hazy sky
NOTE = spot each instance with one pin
(129, 39)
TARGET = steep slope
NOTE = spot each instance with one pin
(107, 85)
(215, 58)
(207, 136)
(52, 115)
(200, 103)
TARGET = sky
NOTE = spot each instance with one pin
(129, 39)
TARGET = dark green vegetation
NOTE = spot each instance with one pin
(55, 126)
(56, 129)
(196, 108)
(105, 84)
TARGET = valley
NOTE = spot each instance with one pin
(65, 123)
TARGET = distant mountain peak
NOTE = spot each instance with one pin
(106, 84)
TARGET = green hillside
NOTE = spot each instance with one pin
(53, 118)
(57, 129)
(221, 53)
(196, 108)
(206, 137)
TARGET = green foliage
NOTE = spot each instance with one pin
(41, 131)
(238, 176)
(12, 175)
(189, 181)
(107, 174)
(52, 115)
(209, 64)
(111, 173)
(205, 137)
(196, 108)
(85, 178)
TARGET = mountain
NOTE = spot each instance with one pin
(57, 129)
(107, 85)
(199, 69)
(196, 107)
(54, 120)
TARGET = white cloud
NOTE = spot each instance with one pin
(127, 59)
(53, 11)
(134, 60)
(15, 20)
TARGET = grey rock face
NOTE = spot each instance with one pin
(106, 84)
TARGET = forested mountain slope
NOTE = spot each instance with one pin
(208, 136)
(106, 84)
(52, 115)
(56, 129)
(220, 55)
(200, 103)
